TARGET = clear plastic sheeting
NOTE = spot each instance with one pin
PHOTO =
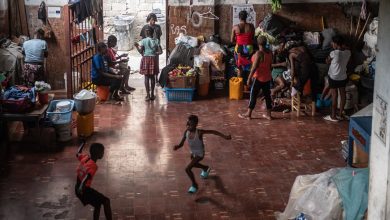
(316, 196)
(85, 94)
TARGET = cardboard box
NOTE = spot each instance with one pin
(360, 158)
(182, 82)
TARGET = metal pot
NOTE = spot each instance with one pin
(84, 106)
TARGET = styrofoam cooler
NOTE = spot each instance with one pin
(85, 125)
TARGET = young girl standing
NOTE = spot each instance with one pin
(148, 48)
(338, 79)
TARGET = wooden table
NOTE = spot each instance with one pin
(35, 116)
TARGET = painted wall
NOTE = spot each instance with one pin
(379, 154)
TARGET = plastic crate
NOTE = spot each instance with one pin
(179, 95)
(58, 118)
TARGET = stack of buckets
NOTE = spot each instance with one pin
(85, 116)
(59, 111)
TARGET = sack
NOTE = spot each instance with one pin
(272, 25)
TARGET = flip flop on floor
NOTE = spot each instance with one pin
(244, 116)
(205, 174)
(328, 118)
(192, 189)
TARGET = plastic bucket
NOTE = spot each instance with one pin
(63, 132)
(43, 98)
(103, 92)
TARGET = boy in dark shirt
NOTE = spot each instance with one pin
(85, 173)
(100, 73)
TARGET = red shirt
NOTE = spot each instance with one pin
(111, 55)
(263, 71)
(86, 166)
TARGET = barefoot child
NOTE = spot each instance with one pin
(149, 68)
(85, 173)
(195, 141)
(338, 79)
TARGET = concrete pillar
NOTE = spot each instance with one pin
(379, 188)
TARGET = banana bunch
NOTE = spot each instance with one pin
(276, 5)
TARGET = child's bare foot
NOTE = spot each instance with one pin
(244, 116)
(267, 116)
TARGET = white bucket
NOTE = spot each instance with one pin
(63, 132)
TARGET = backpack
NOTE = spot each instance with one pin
(42, 12)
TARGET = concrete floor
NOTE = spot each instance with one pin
(251, 175)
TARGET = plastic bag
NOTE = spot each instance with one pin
(214, 52)
(85, 94)
(192, 41)
(316, 196)
(201, 61)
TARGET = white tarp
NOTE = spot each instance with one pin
(314, 195)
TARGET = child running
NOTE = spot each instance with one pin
(148, 48)
(195, 141)
(85, 173)
(338, 79)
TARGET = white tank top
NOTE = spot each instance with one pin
(196, 144)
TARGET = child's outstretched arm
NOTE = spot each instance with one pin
(227, 137)
(80, 149)
(82, 185)
(181, 142)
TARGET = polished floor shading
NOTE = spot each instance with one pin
(251, 175)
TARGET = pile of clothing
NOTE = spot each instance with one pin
(18, 99)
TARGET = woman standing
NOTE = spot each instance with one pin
(242, 36)
(156, 34)
(260, 78)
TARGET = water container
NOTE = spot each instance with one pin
(236, 88)
(103, 92)
(85, 125)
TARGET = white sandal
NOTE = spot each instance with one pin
(328, 118)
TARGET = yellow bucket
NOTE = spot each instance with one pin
(236, 88)
(85, 125)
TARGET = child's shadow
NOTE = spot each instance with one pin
(205, 200)
(219, 184)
